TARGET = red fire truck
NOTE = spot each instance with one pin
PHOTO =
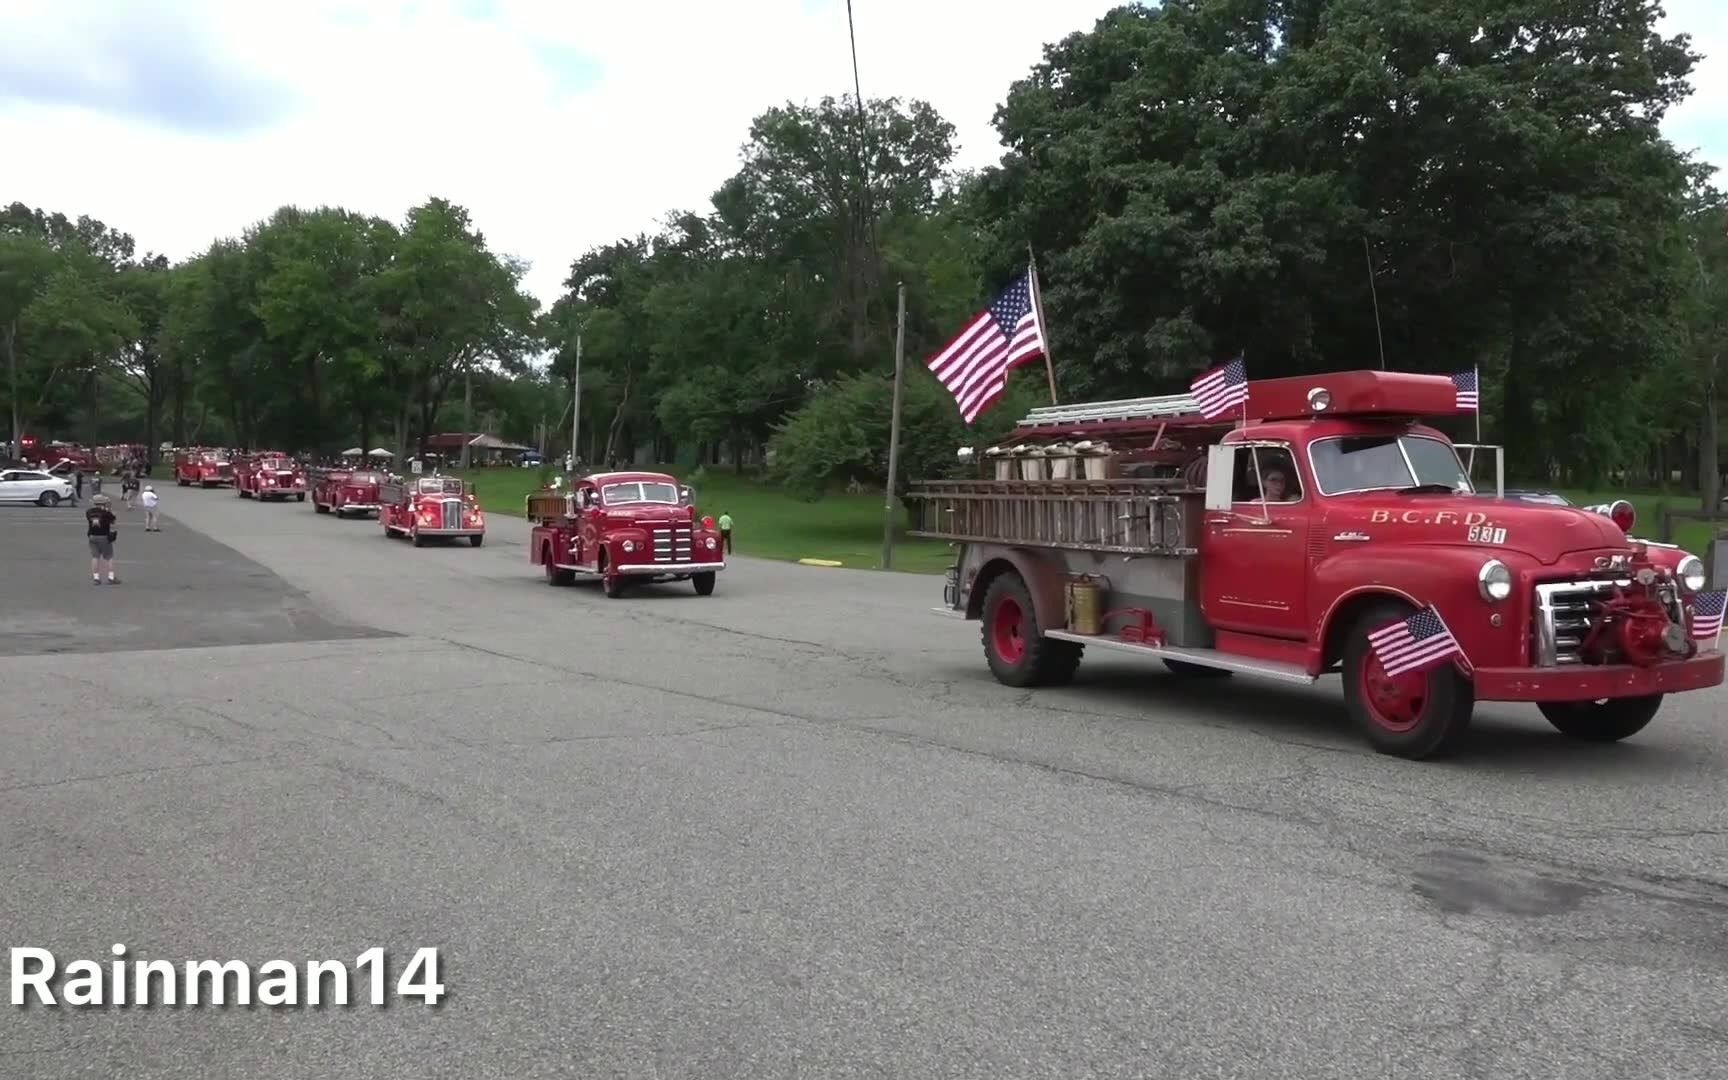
(269, 475)
(206, 468)
(623, 528)
(345, 491)
(1323, 527)
(424, 507)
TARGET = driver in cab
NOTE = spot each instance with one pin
(1275, 487)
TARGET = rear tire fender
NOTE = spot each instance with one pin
(1041, 574)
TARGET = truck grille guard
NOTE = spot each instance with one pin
(1563, 612)
(673, 543)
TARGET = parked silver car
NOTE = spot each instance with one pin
(33, 486)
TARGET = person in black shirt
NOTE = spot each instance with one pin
(99, 527)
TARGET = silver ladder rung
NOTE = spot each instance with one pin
(1146, 408)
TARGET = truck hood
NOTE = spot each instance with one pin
(648, 514)
(1542, 532)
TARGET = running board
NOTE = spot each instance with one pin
(1212, 658)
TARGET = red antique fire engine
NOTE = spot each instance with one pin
(206, 468)
(345, 491)
(269, 475)
(623, 527)
(1280, 544)
(422, 507)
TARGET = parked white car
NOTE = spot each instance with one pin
(33, 486)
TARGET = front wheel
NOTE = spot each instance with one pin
(299, 496)
(474, 541)
(1015, 647)
(704, 583)
(1602, 721)
(49, 498)
(1413, 714)
(320, 508)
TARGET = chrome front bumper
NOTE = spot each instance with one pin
(345, 507)
(424, 531)
(671, 567)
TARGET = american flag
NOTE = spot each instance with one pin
(1707, 615)
(1421, 641)
(975, 365)
(1464, 390)
(1221, 389)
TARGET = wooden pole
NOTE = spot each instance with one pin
(894, 435)
(1043, 327)
(467, 415)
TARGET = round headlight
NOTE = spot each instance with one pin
(710, 542)
(1494, 580)
(1691, 573)
(629, 545)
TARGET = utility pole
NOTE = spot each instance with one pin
(894, 435)
(467, 414)
(576, 402)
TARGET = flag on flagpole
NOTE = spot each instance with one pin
(1707, 615)
(1413, 644)
(974, 366)
(1222, 389)
(1464, 390)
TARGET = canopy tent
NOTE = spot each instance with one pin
(352, 451)
(377, 451)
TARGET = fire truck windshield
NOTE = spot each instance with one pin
(1353, 463)
(624, 494)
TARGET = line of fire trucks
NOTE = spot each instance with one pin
(1324, 528)
(619, 528)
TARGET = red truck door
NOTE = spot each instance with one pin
(587, 525)
(1253, 556)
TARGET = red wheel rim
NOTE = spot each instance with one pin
(1394, 702)
(1008, 631)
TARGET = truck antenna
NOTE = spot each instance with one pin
(1369, 255)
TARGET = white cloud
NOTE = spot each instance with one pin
(388, 102)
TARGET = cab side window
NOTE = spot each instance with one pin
(1267, 474)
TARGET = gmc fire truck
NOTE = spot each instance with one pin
(1304, 534)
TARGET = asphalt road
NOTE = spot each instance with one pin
(795, 830)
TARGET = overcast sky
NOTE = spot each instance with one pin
(559, 123)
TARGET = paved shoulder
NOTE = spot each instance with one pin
(179, 589)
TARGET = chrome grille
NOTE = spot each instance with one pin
(452, 513)
(673, 543)
(1563, 617)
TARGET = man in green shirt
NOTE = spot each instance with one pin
(726, 531)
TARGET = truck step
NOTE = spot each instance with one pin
(1212, 658)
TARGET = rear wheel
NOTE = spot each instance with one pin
(1015, 647)
(1602, 721)
(1413, 714)
(554, 576)
(704, 583)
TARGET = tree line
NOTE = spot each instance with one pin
(1315, 185)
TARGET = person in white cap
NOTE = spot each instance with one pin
(152, 522)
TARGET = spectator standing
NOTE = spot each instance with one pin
(99, 530)
(152, 521)
(726, 531)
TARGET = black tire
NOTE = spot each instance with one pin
(704, 583)
(182, 482)
(48, 498)
(475, 541)
(614, 585)
(1602, 721)
(299, 496)
(554, 576)
(414, 535)
(1445, 707)
(1034, 660)
(321, 508)
(1197, 671)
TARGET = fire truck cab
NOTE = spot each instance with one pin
(1274, 541)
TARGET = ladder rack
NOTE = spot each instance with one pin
(1164, 407)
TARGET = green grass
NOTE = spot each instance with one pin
(766, 523)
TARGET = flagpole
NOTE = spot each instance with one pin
(894, 435)
(1043, 327)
